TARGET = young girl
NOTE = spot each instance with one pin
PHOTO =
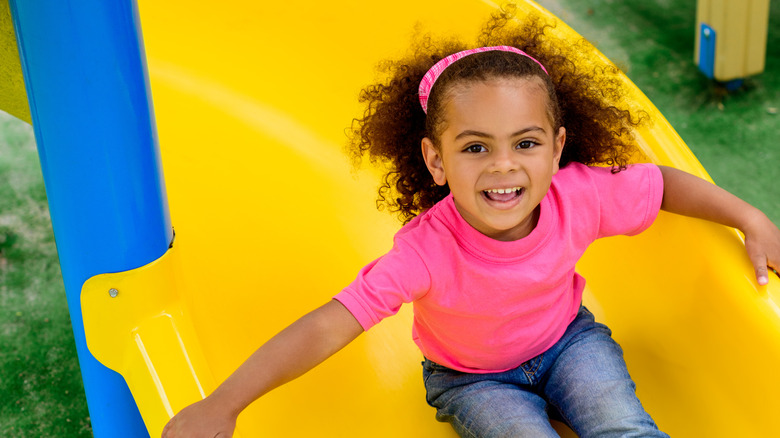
(490, 152)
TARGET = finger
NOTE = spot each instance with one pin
(762, 276)
(762, 271)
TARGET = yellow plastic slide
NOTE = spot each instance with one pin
(252, 99)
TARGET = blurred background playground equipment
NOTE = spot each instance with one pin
(731, 41)
(250, 136)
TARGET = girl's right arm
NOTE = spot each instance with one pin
(288, 355)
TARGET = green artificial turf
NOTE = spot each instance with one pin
(652, 41)
(40, 382)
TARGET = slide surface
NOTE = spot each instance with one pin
(252, 100)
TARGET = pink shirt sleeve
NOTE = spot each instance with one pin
(629, 200)
(382, 286)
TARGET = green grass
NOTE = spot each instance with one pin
(40, 382)
(732, 134)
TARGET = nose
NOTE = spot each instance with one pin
(505, 160)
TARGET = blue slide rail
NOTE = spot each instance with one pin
(85, 71)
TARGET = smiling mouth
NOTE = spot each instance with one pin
(503, 195)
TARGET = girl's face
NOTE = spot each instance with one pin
(498, 154)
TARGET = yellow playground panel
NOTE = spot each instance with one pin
(252, 100)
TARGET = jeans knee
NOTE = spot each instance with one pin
(621, 415)
(635, 425)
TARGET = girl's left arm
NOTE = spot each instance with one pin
(692, 196)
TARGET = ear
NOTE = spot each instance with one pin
(432, 157)
(560, 140)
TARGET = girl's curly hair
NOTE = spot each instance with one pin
(586, 100)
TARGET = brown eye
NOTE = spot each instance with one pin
(526, 144)
(475, 148)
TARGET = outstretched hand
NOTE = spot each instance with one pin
(762, 241)
(201, 420)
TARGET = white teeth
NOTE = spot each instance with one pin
(502, 191)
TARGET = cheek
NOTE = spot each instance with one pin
(460, 176)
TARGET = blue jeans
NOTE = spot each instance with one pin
(581, 380)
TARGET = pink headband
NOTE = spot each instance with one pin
(430, 78)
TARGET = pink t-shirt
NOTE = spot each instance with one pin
(483, 305)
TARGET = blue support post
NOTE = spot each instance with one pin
(85, 72)
(707, 44)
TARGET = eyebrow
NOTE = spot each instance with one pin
(473, 133)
